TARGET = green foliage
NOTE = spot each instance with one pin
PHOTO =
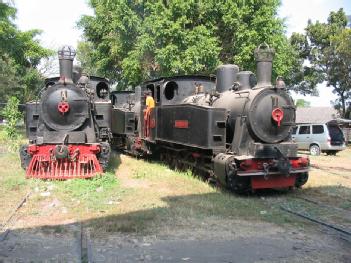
(327, 47)
(84, 51)
(130, 41)
(9, 79)
(12, 116)
(20, 54)
(301, 103)
(339, 67)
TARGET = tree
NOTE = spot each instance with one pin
(9, 79)
(339, 68)
(301, 103)
(327, 48)
(84, 56)
(12, 117)
(20, 55)
(130, 41)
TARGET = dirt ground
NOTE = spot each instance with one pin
(154, 214)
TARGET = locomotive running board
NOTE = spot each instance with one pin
(41, 167)
(262, 173)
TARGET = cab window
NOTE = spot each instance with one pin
(294, 130)
(304, 130)
(317, 129)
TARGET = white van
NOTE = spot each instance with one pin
(319, 138)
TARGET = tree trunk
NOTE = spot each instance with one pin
(342, 97)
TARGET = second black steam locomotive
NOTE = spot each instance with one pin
(233, 128)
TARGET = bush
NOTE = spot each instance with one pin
(12, 115)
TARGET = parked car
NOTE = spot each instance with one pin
(319, 138)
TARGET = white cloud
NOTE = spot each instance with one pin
(57, 19)
(298, 12)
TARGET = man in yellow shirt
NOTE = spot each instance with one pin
(150, 102)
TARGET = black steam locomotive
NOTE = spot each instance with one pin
(233, 128)
(69, 128)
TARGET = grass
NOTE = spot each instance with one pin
(92, 194)
(83, 198)
(161, 198)
(137, 196)
(330, 180)
(13, 184)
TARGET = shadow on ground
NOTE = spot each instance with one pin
(129, 237)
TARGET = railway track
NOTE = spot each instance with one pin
(81, 234)
(86, 255)
(306, 208)
(5, 227)
(328, 168)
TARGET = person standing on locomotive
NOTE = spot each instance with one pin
(150, 104)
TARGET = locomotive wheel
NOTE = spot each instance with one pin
(182, 167)
(162, 157)
(172, 163)
(239, 185)
(104, 155)
(25, 156)
(301, 179)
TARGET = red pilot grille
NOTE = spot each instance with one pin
(80, 163)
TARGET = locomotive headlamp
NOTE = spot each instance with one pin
(66, 52)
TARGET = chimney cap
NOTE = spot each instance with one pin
(264, 53)
(66, 52)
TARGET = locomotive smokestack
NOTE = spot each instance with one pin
(226, 75)
(246, 79)
(66, 56)
(264, 57)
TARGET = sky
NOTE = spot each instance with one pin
(57, 19)
(297, 13)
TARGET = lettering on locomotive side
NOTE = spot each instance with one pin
(181, 124)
